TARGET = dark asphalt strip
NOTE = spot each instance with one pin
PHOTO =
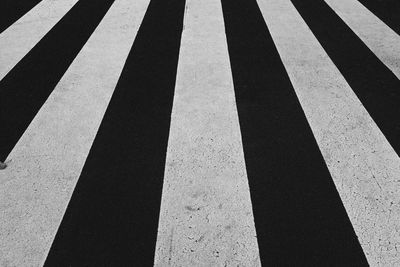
(299, 217)
(386, 10)
(26, 87)
(112, 217)
(12, 10)
(373, 83)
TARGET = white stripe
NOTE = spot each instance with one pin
(363, 165)
(23, 35)
(46, 162)
(206, 215)
(379, 38)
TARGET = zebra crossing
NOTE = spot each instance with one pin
(23, 35)
(54, 147)
(381, 39)
(212, 133)
(344, 131)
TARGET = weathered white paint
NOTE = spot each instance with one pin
(380, 39)
(206, 215)
(363, 165)
(45, 164)
(18, 39)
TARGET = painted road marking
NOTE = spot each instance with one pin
(380, 38)
(11, 11)
(28, 85)
(46, 163)
(112, 217)
(363, 165)
(206, 215)
(297, 208)
(374, 84)
(25, 33)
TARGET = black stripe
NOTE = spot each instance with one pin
(386, 10)
(112, 217)
(373, 83)
(299, 217)
(12, 10)
(27, 86)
